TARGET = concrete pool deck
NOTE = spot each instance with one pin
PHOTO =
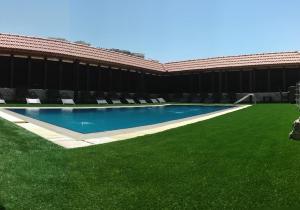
(70, 139)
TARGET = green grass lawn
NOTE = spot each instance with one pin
(237, 161)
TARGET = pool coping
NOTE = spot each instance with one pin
(70, 139)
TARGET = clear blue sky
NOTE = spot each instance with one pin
(166, 30)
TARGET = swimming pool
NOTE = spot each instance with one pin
(92, 120)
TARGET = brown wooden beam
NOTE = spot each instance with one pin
(12, 71)
(269, 80)
(284, 80)
(220, 81)
(254, 87)
(110, 80)
(99, 81)
(241, 81)
(120, 80)
(87, 77)
(200, 82)
(142, 82)
(76, 75)
(226, 82)
(212, 74)
(60, 74)
(45, 83)
(250, 81)
(29, 72)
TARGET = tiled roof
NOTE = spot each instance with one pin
(68, 49)
(77, 51)
(235, 61)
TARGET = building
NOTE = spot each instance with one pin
(38, 63)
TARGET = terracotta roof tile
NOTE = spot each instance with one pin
(68, 49)
(235, 61)
(62, 48)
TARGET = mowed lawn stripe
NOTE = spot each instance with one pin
(240, 160)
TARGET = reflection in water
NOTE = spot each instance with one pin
(92, 120)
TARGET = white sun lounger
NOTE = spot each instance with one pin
(142, 101)
(161, 100)
(130, 101)
(33, 101)
(2, 101)
(102, 101)
(116, 101)
(153, 100)
(68, 101)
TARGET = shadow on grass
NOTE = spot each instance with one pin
(2, 207)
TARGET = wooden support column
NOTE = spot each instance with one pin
(254, 81)
(163, 82)
(226, 82)
(166, 83)
(159, 87)
(171, 85)
(212, 74)
(199, 82)
(120, 81)
(60, 74)
(76, 75)
(29, 72)
(284, 88)
(241, 81)
(99, 81)
(191, 83)
(45, 73)
(12, 71)
(220, 81)
(129, 81)
(87, 77)
(137, 85)
(124, 81)
(142, 82)
(269, 80)
(110, 80)
(250, 82)
(75, 72)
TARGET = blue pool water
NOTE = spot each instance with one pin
(108, 119)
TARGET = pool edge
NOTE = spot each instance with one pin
(69, 139)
